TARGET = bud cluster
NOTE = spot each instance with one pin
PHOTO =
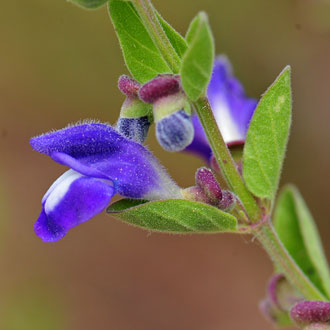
(161, 100)
(208, 190)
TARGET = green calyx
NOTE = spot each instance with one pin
(169, 105)
(135, 108)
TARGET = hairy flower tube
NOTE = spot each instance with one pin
(135, 116)
(102, 163)
(231, 108)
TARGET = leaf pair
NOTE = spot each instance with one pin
(297, 230)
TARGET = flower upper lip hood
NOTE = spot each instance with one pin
(231, 108)
(102, 162)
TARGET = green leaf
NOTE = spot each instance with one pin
(141, 55)
(175, 38)
(197, 62)
(297, 230)
(267, 138)
(174, 215)
(89, 4)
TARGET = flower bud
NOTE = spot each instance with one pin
(159, 87)
(128, 86)
(171, 110)
(175, 132)
(311, 314)
(228, 201)
(135, 115)
(205, 179)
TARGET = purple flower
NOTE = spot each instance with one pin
(103, 163)
(231, 108)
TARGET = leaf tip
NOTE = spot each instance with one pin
(203, 16)
(286, 73)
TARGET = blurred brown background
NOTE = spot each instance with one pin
(60, 64)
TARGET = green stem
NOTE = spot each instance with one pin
(149, 18)
(225, 160)
(286, 265)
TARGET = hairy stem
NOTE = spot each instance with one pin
(148, 16)
(283, 261)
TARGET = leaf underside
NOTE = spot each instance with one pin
(173, 216)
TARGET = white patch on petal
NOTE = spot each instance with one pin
(226, 122)
(64, 176)
(59, 189)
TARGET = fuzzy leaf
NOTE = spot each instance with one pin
(297, 230)
(197, 62)
(267, 138)
(174, 216)
(175, 38)
(89, 4)
(141, 55)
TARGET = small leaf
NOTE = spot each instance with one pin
(175, 38)
(89, 4)
(174, 215)
(267, 138)
(197, 62)
(141, 55)
(297, 230)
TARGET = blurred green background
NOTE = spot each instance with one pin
(60, 64)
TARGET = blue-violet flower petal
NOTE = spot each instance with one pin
(231, 108)
(103, 162)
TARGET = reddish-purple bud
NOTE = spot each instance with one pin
(161, 86)
(228, 201)
(308, 313)
(128, 86)
(206, 180)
